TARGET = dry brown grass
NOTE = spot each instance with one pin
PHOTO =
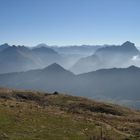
(84, 118)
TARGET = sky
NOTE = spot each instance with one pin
(69, 22)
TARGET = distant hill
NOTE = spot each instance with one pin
(117, 84)
(53, 77)
(55, 116)
(107, 57)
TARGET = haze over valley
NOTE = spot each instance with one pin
(108, 72)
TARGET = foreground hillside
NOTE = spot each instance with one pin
(28, 115)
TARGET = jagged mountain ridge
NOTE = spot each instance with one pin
(21, 58)
(107, 57)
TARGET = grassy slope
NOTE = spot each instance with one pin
(26, 115)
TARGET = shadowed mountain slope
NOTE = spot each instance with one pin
(116, 84)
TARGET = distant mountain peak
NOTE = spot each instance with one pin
(133, 67)
(42, 45)
(57, 69)
(128, 44)
(54, 67)
(44, 49)
(4, 46)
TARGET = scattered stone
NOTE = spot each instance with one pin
(55, 93)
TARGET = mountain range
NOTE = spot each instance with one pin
(109, 56)
(117, 84)
(78, 59)
(110, 73)
(21, 58)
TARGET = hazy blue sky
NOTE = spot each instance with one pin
(64, 22)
